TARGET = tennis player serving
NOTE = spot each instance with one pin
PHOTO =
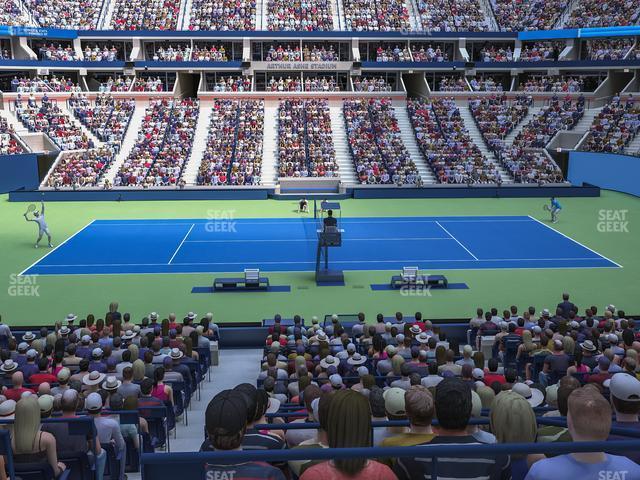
(38, 217)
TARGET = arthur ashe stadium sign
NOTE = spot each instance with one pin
(317, 66)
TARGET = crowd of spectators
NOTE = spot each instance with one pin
(445, 142)
(452, 84)
(530, 166)
(556, 84)
(47, 117)
(148, 84)
(376, 144)
(371, 84)
(289, 84)
(541, 51)
(305, 143)
(223, 15)
(233, 84)
(86, 370)
(429, 54)
(493, 54)
(118, 84)
(285, 53)
(321, 84)
(451, 16)
(147, 15)
(80, 169)
(12, 14)
(608, 48)
(614, 127)
(299, 15)
(376, 16)
(76, 15)
(104, 53)
(557, 115)
(163, 146)
(43, 84)
(184, 53)
(52, 52)
(233, 155)
(485, 84)
(593, 13)
(496, 117)
(107, 117)
(386, 53)
(518, 16)
(9, 144)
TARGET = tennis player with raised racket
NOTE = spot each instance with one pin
(38, 217)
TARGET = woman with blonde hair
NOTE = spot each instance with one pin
(526, 349)
(135, 352)
(396, 362)
(138, 370)
(512, 420)
(29, 444)
(349, 426)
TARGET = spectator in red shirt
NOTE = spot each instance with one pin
(43, 375)
(492, 375)
(15, 393)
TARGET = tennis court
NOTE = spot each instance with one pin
(389, 243)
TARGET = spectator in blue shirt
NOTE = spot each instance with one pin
(588, 420)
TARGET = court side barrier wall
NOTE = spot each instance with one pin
(193, 465)
(19, 172)
(249, 193)
(620, 173)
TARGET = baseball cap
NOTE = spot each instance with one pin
(394, 401)
(625, 387)
(336, 381)
(93, 402)
(64, 374)
(477, 374)
(32, 353)
(227, 411)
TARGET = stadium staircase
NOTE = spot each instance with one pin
(508, 140)
(584, 124)
(338, 18)
(127, 144)
(487, 10)
(12, 120)
(412, 10)
(476, 137)
(75, 121)
(186, 17)
(409, 139)
(190, 172)
(262, 15)
(341, 145)
(269, 174)
(107, 15)
(634, 147)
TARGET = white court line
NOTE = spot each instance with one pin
(344, 220)
(307, 240)
(574, 241)
(458, 241)
(55, 248)
(336, 261)
(181, 243)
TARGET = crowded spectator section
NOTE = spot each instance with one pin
(195, 51)
(44, 84)
(376, 82)
(495, 82)
(108, 82)
(106, 117)
(222, 15)
(432, 52)
(80, 169)
(227, 82)
(444, 82)
(11, 13)
(592, 13)
(615, 126)
(148, 81)
(451, 16)
(300, 51)
(48, 117)
(302, 82)
(305, 143)
(376, 15)
(384, 52)
(164, 143)
(58, 51)
(376, 145)
(9, 143)
(607, 48)
(145, 15)
(78, 15)
(233, 155)
(446, 145)
(541, 51)
(514, 16)
(106, 51)
(299, 15)
(490, 51)
(538, 83)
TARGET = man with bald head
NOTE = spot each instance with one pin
(16, 391)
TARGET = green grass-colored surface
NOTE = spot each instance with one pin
(140, 294)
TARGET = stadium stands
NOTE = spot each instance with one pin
(77, 15)
(517, 16)
(84, 169)
(301, 15)
(223, 15)
(145, 15)
(614, 127)
(376, 16)
(590, 13)
(451, 16)
(9, 144)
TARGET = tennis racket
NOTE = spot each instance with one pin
(545, 207)
(30, 208)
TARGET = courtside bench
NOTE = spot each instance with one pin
(398, 281)
(240, 283)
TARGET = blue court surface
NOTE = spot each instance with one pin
(431, 243)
